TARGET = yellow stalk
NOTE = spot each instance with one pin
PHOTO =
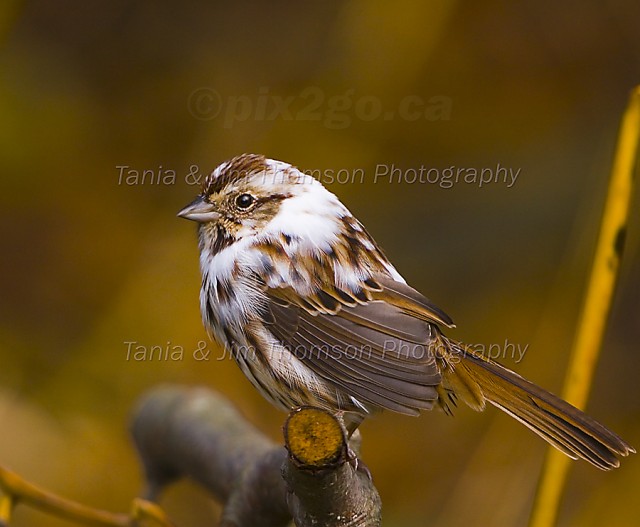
(597, 303)
(17, 490)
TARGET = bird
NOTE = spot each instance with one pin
(315, 314)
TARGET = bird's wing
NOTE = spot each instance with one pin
(374, 344)
(331, 299)
(411, 301)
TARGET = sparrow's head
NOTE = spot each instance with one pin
(251, 195)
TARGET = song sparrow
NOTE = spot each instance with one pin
(315, 314)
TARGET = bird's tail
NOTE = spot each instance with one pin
(473, 378)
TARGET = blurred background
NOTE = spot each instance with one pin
(96, 267)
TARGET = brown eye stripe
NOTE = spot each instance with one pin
(272, 198)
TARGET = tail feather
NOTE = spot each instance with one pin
(474, 379)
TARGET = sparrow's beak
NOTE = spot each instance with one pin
(199, 210)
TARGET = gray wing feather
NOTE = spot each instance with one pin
(373, 351)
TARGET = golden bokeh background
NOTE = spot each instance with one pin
(93, 261)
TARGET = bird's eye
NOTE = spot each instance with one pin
(244, 201)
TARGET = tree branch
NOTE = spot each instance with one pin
(197, 433)
(328, 485)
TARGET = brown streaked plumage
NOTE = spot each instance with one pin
(315, 314)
